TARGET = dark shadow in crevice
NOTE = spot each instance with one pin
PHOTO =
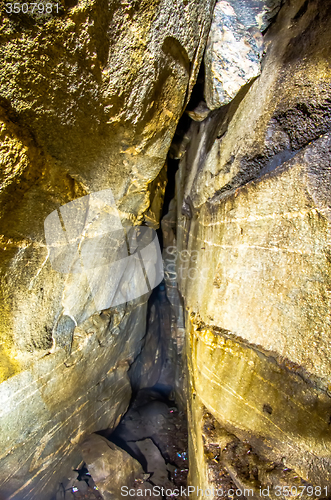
(197, 94)
(121, 443)
(272, 20)
(172, 167)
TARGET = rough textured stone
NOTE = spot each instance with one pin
(284, 420)
(48, 410)
(90, 99)
(199, 113)
(284, 109)
(235, 47)
(253, 263)
(232, 58)
(258, 263)
(146, 369)
(258, 13)
(110, 466)
(155, 463)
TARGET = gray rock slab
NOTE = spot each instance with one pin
(232, 58)
(155, 463)
(110, 467)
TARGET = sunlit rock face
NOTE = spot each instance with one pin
(261, 260)
(90, 98)
(253, 265)
(264, 405)
(285, 109)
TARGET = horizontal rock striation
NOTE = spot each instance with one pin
(253, 267)
(257, 263)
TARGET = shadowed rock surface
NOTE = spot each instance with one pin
(230, 127)
(253, 267)
(109, 466)
(90, 98)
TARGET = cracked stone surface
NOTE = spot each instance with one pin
(90, 98)
(253, 262)
(150, 451)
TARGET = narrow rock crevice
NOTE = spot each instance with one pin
(201, 356)
(153, 431)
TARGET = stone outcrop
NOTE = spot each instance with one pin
(285, 109)
(232, 56)
(235, 47)
(110, 466)
(90, 98)
(262, 270)
(253, 267)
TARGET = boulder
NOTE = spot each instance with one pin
(232, 58)
(110, 466)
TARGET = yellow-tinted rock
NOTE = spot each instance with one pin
(282, 111)
(91, 97)
(253, 259)
(284, 420)
(49, 409)
(258, 262)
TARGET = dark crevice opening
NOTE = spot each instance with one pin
(159, 393)
(175, 152)
(197, 94)
(172, 167)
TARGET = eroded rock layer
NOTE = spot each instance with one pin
(90, 98)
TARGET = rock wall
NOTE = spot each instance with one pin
(90, 98)
(253, 263)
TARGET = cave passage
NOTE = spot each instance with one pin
(154, 429)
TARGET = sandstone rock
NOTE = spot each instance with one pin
(256, 264)
(199, 113)
(69, 398)
(253, 267)
(68, 495)
(282, 419)
(256, 12)
(168, 225)
(85, 116)
(284, 109)
(69, 481)
(146, 369)
(150, 418)
(110, 466)
(90, 99)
